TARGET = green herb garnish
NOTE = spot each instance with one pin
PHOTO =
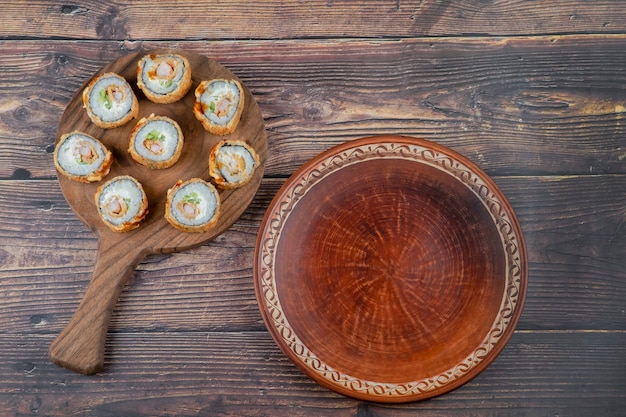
(156, 136)
(104, 99)
(192, 198)
(165, 83)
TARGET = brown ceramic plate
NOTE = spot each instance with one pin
(390, 269)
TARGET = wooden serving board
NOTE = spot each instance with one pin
(80, 346)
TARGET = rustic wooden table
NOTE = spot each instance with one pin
(534, 92)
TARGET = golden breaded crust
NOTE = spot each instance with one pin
(214, 170)
(131, 224)
(152, 164)
(198, 110)
(173, 96)
(183, 227)
(134, 109)
(92, 177)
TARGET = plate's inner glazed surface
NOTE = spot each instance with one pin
(390, 271)
(400, 272)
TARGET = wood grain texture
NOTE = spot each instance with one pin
(278, 19)
(573, 226)
(532, 91)
(534, 106)
(243, 373)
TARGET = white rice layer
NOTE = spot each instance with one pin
(204, 197)
(161, 85)
(234, 163)
(114, 110)
(68, 155)
(214, 93)
(168, 139)
(128, 191)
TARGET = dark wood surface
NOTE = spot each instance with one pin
(532, 92)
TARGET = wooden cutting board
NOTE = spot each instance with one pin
(80, 346)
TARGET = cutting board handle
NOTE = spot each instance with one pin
(80, 346)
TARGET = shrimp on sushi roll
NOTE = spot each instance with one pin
(110, 101)
(192, 206)
(156, 142)
(232, 163)
(218, 105)
(164, 78)
(122, 203)
(81, 157)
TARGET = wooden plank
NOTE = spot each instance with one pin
(574, 228)
(575, 231)
(531, 106)
(317, 18)
(245, 374)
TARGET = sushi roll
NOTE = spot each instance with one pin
(82, 157)
(218, 105)
(110, 101)
(164, 78)
(232, 163)
(192, 206)
(122, 203)
(156, 142)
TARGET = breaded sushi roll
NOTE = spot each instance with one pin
(218, 105)
(110, 101)
(192, 206)
(156, 142)
(122, 203)
(164, 78)
(82, 157)
(232, 163)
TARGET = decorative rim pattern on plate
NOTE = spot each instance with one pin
(446, 161)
